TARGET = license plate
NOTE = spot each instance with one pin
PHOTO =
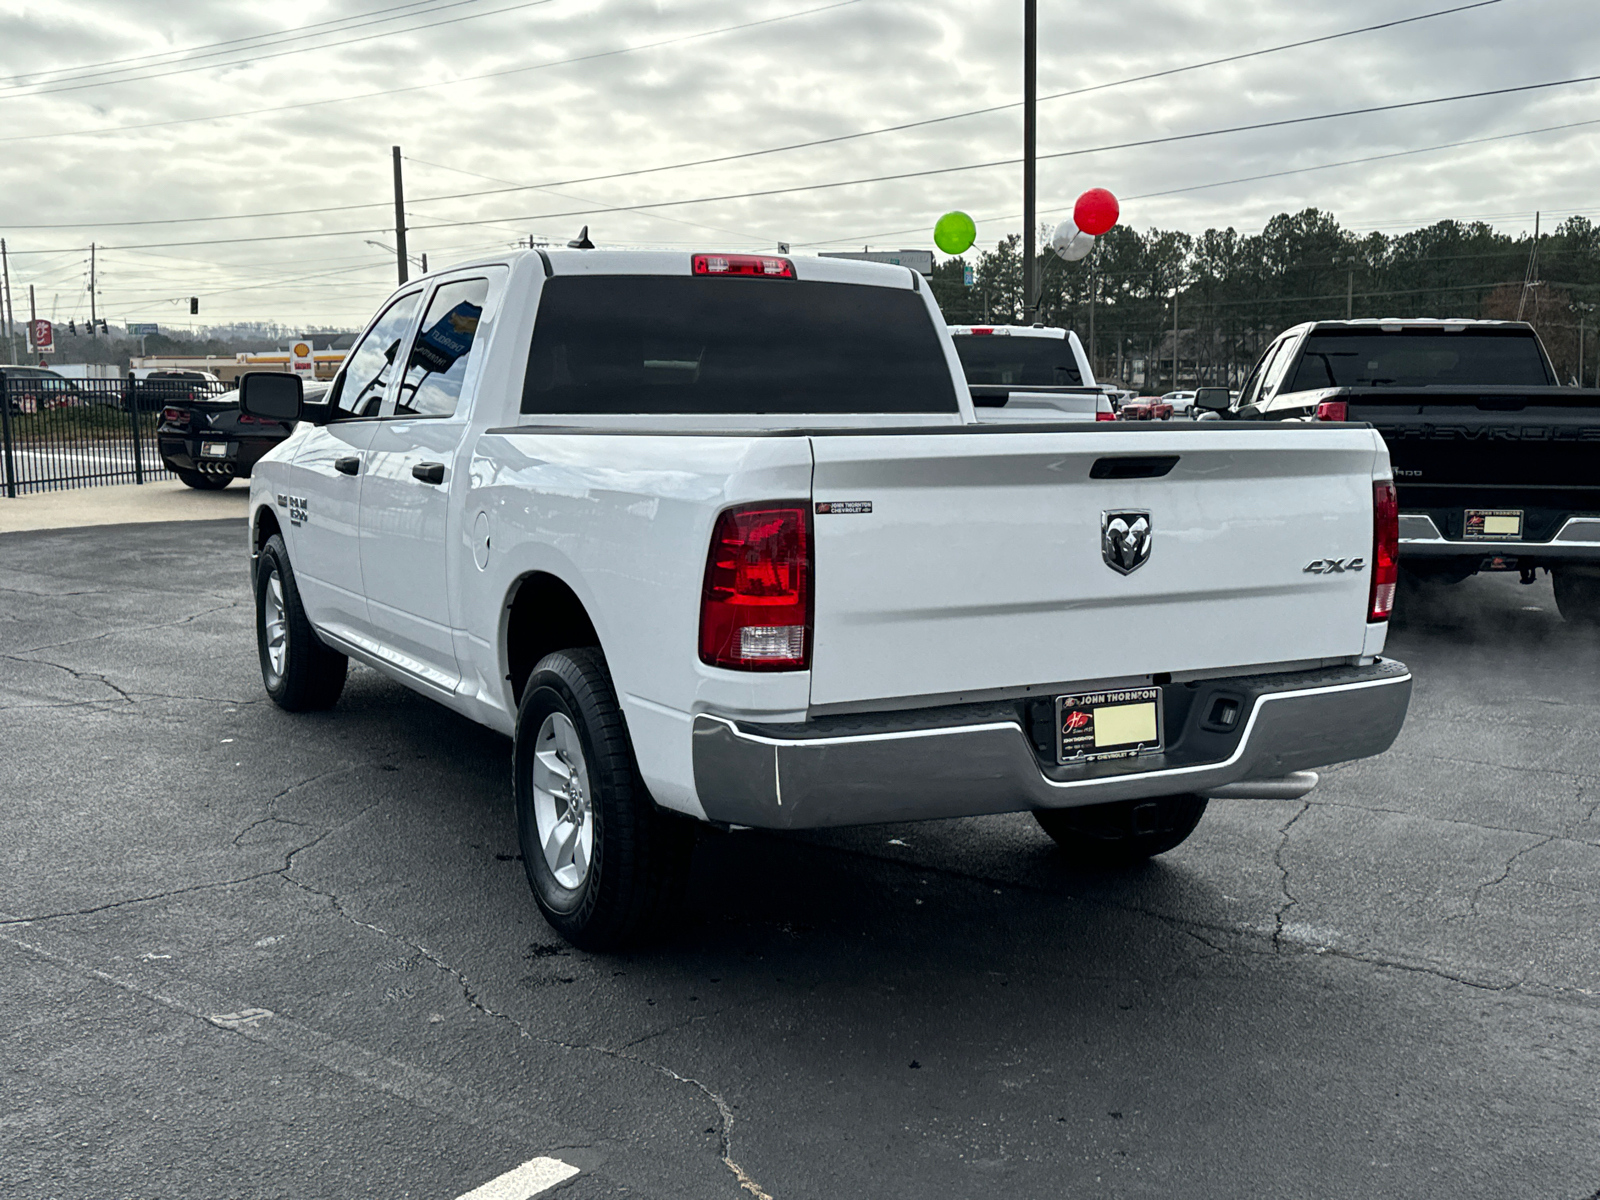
(1099, 725)
(1493, 524)
(213, 449)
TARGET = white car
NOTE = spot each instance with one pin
(718, 538)
(1029, 373)
(1182, 403)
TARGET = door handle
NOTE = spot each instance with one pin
(347, 466)
(428, 472)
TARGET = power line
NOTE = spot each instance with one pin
(71, 74)
(851, 240)
(1007, 162)
(46, 90)
(417, 87)
(1349, 162)
(585, 200)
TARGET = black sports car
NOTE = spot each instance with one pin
(208, 442)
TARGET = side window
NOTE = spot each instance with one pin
(359, 389)
(443, 349)
(1252, 386)
(1279, 366)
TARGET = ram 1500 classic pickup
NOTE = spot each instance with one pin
(1498, 468)
(1029, 372)
(717, 538)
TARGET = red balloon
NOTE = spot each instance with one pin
(1096, 211)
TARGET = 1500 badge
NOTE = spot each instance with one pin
(296, 506)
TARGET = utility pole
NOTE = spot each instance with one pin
(399, 218)
(1350, 295)
(1174, 339)
(91, 291)
(33, 318)
(1030, 80)
(8, 311)
(1093, 279)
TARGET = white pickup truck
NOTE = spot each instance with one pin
(718, 538)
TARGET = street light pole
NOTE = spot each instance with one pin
(1030, 80)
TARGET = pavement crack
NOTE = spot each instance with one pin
(90, 676)
(474, 1000)
(134, 629)
(115, 904)
(1505, 873)
(1289, 898)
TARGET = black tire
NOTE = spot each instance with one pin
(311, 675)
(1577, 592)
(200, 481)
(638, 862)
(1124, 833)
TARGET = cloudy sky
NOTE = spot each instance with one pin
(122, 123)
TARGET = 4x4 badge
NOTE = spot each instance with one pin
(1333, 566)
(1125, 539)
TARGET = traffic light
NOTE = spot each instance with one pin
(194, 305)
(104, 328)
(72, 328)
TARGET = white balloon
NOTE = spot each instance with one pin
(1070, 242)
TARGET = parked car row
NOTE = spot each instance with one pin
(39, 389)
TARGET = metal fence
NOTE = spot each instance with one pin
(57, 434)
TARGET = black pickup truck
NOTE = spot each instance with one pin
(1497, 467)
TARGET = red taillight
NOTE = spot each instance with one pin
(1105, 414)
(758, 266)
(174, 416)
(1333, 410)
(981, 330)
(755, 610)
(251, 419)
(1385, 550)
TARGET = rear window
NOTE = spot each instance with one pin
(1419, 358)
(658, 344)
(1028, 361)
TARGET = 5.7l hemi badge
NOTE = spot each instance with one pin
(296, 506)
(840, 507)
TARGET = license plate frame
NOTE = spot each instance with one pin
(1133, 718)
(213, 449)
(1492, 524)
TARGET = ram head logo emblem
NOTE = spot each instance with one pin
(1125, 540)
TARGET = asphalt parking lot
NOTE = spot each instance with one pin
(245, 953)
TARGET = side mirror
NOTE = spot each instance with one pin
(1213, 399)
(271, 395)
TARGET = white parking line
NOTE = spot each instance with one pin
(521, 1183)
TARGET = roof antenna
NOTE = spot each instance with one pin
(581, 242)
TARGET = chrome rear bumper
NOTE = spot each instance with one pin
(981, 759)
(1577, 540)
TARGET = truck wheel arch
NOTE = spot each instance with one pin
(266, 524)
(543, 614)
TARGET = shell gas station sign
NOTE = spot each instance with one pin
(301, 361)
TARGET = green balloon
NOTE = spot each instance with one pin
(955, 233)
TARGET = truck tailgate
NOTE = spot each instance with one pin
(980, 566)
(1522, 437)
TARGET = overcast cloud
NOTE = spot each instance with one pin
(858, 66)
